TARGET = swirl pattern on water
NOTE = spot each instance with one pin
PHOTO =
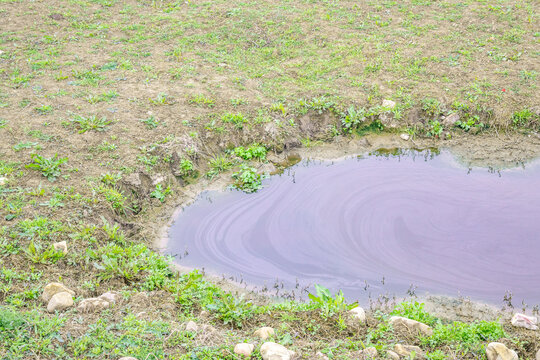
(408, 220)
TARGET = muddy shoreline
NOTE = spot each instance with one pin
(486, 151)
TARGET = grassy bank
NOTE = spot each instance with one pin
(109, 109)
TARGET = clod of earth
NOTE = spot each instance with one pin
(499, 351)
(273, 351)
(369, 353)
(61, 246)
(92, 305)
(524, 321)
(392, 355)
(411, 325)
(264, 332)
(54, 288)
(60, 301)
(192, 326)
(244, 349)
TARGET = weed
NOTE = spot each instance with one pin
(49, 167)
(44, 109)
(472, 121)
(186, 168)
(254, 151)
(415, 311)
(162, 99)
(327, 304)
(160, 193)
(218, 164)
(435, 129)
(247, 179)
(524, 118)
(352, 118)
(151, 122)
(465, 336)
(201, 100)
(432, 107)
(238, 120)
(232, 310)
(89, 123)
(36, 254)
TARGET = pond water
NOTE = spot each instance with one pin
(374, 225)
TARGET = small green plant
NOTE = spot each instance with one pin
(523, 118)
(218, 164)
(186, 168)
(151, 122)
(471, 121)
(201, 100)
(36, 254)
(254, 151)
(238, 120)
(415, 311)
(327, 304)
(49, 167)
(465, 336)
(247, 179)
(352, 118)
(232, 310)
(435, 129)
(85, 124)
(160, 193)
(162, 99)
(431, 106)
(44, 109)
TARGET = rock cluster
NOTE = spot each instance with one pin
(57, 297)
(97, 304)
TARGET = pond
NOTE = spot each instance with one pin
(412, 221)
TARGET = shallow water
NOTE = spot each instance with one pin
(375, 225)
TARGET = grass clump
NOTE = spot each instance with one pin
(49, 167)
(414, 310)
(247, 179)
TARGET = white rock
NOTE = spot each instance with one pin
(3, 180)
(358, 313)
(244, 349)
(264, 332)
(109, 296)
(54, 288)
(392, 355)
(498, 351)
(405, 137)
(127, 358)
(411, 325)
(524, 321)
(320, 356)
(273, 351)
(192, 326)
(60, 246)
(408, 350)
(60, 301)
(451, 119)
(92, 305)
(389, 104)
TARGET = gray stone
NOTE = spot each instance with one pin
(60, 301)
(499, 351)
(392, 355)
(109, 296)
(369, 353)
(54, 288)
(273, 351)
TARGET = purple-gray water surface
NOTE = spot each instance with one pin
(375, 225)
